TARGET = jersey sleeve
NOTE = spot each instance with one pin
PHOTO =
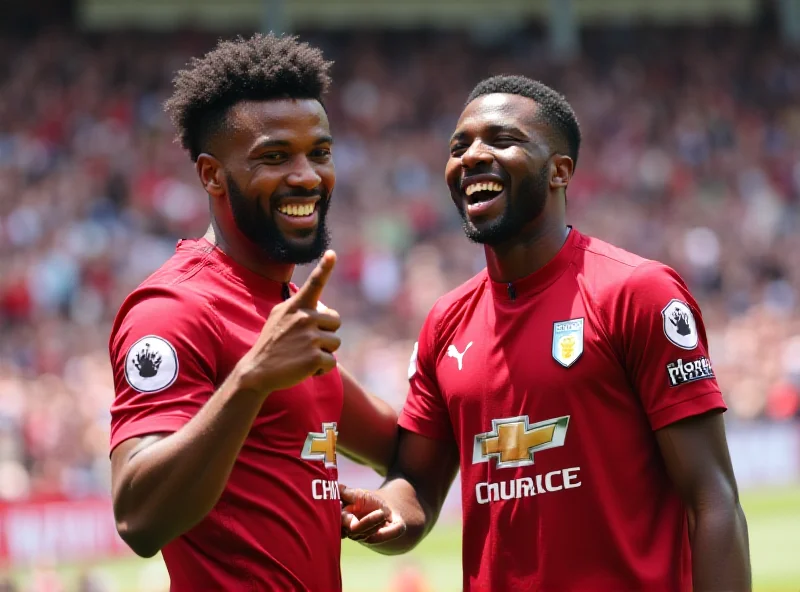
(162, 357)
(425, 411)
(664, 346)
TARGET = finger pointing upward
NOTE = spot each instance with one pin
(309, 293)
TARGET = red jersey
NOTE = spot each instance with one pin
(175, 340)
(552, 387)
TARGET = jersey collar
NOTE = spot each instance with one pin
(253, 282)
(539, 280)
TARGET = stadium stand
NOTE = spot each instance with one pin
(691, 152)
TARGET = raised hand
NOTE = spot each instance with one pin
(298, 338)
(367, 518)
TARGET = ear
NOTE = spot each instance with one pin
(561, 168)
(211, 174)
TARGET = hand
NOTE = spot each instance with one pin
(298, 339)
(367, 518)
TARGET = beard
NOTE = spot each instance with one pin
(261, 229)
(524, 205)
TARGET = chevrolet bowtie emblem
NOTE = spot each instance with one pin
(322, 445)
(513, 441)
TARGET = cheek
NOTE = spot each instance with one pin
(265, 180)
(451, 171)
(327, 174)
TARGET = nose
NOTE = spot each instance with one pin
(303, 175)
(476, 154)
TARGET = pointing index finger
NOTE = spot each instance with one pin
(308, 294)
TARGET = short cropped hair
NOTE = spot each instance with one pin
(263, 67)
(553, 107)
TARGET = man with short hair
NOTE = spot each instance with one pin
(230, 406)
(570, 381)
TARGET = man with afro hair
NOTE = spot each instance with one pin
(230, 406)
(570, 382)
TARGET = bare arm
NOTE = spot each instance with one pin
(163, 485)
(695, 451)
(415, 491)
(368, 426)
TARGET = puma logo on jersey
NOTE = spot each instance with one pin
(452, 352)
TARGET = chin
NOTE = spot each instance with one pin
(303, 238)
(306, 250)
(489, 232)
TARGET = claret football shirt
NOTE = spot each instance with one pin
(175, 339)
(552, 387)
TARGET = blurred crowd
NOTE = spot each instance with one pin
(691, 156)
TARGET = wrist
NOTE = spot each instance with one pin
(242, 383)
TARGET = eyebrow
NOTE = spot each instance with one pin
(268, 143)
(493, 129)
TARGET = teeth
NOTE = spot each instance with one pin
(297, 210)
(483, 187)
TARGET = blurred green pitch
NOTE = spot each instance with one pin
(773, 518)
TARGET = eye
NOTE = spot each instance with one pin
(273, 157)
(321, 154)
(458, 149)
(503, 141)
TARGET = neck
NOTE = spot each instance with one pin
(526, 254)
(248, 255)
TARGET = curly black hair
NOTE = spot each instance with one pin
(263, 67)
(553, 107)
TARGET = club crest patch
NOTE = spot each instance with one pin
(679, 324)
(151, 364)
(567, 341)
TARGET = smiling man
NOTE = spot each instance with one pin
(570, 382)
(230, 406)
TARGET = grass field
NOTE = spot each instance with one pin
(773, 518)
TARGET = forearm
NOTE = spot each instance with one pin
(376, 461)
(720, 550)
(372, 440)
(169, 486)
(368, 427)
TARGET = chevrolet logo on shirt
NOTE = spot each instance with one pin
(513, 441)
(322, 445)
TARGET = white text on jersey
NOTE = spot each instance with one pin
(323, 489)
(527, 486)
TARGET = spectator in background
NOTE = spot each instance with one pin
(94, 195)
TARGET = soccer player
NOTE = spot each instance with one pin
(229, 403)
(571, 383)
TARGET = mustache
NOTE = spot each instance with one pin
(497, 171)
(299, 192)
(478, 171)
